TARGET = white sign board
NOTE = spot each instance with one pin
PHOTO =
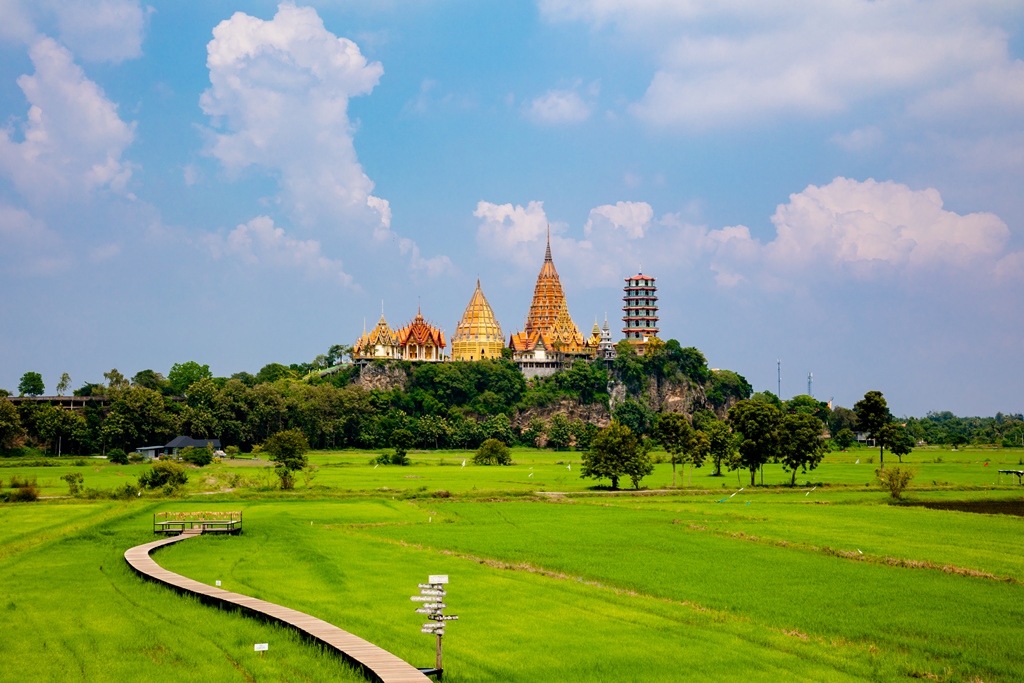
(217, 583)
(438, 578)
(261, 647)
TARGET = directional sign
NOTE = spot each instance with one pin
(261, 647)
(445, 617)
(432, 591)
(432, 631)
(438, 578)
(424, 610)
(423, 598)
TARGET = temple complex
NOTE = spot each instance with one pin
(478, 334)
(419, 340)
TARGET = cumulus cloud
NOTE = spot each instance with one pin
(739, 61)
(72, 140)
(279, 97)
(278, 100)
(845, 229)
(557, 107)
(630, 217)
(260, 243)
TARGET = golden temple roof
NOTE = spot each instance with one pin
(549, 312)
(478, 322)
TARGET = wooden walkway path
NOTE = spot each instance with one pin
(376, 664)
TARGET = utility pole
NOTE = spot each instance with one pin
(778, 370)
(810, 378)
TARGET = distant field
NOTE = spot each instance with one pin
(817, 584)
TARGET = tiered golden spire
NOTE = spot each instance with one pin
(478, 334)
(549, 320)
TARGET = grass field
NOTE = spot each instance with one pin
(552, 580)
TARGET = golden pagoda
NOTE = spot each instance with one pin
(478, 335)
(595, 336)
(548, 321)
(381, 342)
(419, 340)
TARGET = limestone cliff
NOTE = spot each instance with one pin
(382, 376)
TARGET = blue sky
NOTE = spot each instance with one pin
(836, 184)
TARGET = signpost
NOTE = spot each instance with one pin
(261, 648)
(430, 597)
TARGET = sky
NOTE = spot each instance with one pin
(834, 184)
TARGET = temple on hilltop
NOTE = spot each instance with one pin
(550, 339)
(640, 310)
(381, 342)
(478, 334)
(419, 340)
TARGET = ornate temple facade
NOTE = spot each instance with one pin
(381, 342)
(640, 310)
(419, 340)
(550, 338)
(478, 335)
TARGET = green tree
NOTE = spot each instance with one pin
(152, 380)
(558, 432)
(272, 372)
(800, 443)
(583, 433)
(872, 415)
(200, 457)
(64, 384)
(10, 424)
(842, 418)
(74, 481)
(492, 452)
(757, 424)
(116, 381)
(31, 384)
(635, 415)
(721, 444)
(288, 448)
(402, 440)
(895, 480)
(184, 375)
(897, 440)
(164, 474)
(616, 452)
(844, 438)
(675, 434)
(62, 429)
(534, 431)
(117, 456)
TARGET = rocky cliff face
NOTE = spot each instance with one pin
(384, 377)
(670, 396)
(595, 413)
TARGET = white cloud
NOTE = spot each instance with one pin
(508, 232)
(73, 138)
(864, 230)
(630, 217)
(95, 30)
(260, 243)
(104, 252)
(278, 100)
(740, 61)
(279, 92)
(557, 107)
(102, 30)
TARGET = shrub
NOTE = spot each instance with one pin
(396, 458)
(492, 452)
(74, 481)
(895, 480)
(19, 482)
(231, 451)
(117, 456)
(286, 477)
(163, 474)
(24, 494)
(288, 448)
(200, 457)
(136, 457)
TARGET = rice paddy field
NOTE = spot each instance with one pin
(553, 580)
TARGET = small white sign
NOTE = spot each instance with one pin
(217, 583)
(432, 591)
(261, 647)
(438, 578)
(434, 631)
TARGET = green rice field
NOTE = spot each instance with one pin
(552, 578)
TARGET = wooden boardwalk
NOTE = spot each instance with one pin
(376, 664)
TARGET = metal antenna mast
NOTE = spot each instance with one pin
(778, 364)
(810, 378)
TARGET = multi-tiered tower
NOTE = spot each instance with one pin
(640, 310)
(478, 335)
